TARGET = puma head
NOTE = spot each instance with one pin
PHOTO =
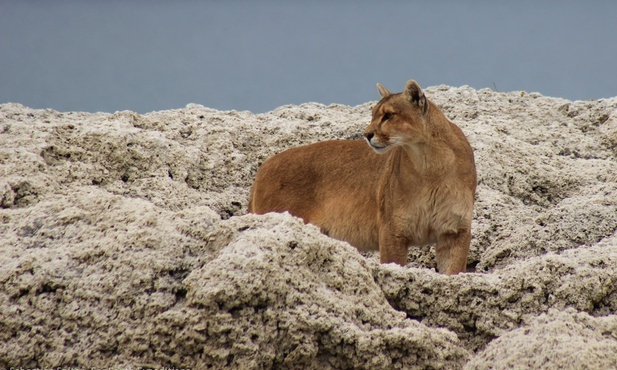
(398, 119)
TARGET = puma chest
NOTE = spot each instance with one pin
(433, 212)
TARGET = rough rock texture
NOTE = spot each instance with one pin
(557, 340)
(125, 243)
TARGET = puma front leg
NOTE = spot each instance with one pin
(392, 248)
(451, 252)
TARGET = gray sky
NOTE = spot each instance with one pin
(153, 55)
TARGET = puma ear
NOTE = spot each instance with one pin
(383, 91)
(415, 95)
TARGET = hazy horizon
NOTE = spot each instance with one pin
(143, 56)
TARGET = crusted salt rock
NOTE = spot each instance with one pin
(279, 293)
(481, 307)
(125, 242)
(555, 340)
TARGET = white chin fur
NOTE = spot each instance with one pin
(379, 149)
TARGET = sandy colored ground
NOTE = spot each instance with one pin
(124, 242)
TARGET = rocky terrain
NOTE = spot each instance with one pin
(125, 243)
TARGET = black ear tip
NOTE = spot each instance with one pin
(415, 95)
(412, 85)
(413, 90)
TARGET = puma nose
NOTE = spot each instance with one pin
(369, 136)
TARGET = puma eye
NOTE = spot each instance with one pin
(387, 116)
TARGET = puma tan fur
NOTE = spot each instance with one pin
(412, 185)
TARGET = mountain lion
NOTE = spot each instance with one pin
(412, 185)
